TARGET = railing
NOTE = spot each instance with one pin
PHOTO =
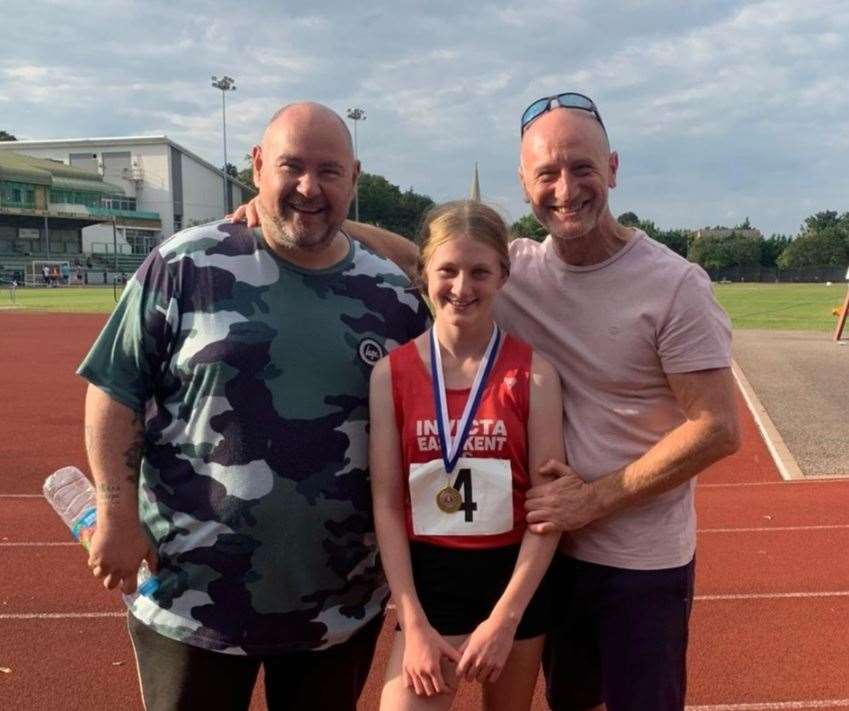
(758, 273)
(108, 248)
(129, 214)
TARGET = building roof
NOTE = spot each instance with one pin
(126, 141)
(18, 167)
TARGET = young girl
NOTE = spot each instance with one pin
(462, 418)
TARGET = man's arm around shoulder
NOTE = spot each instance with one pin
(394, 247)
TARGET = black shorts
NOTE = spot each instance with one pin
(459, 587)
(619, 637)
(176, 676)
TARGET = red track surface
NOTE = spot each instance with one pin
(769, 622)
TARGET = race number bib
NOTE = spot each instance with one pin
(485, 487)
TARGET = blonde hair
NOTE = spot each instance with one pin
(462, 217)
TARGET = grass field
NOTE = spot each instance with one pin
(784, 307)
(89, 299)
(781, 307)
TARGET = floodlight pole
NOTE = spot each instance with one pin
(114, 245)
(225, 84)
(356, 115)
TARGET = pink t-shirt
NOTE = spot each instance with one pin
(613, 330)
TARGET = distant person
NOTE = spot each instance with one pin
(462, 419)
(643, 351)
(45, 274)
(228, 404)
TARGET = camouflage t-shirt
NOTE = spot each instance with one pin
(253, 378)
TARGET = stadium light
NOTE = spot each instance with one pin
(356, 115)
(225, 84)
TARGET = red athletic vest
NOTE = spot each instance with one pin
(499, 429)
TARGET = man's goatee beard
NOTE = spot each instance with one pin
(275, 232)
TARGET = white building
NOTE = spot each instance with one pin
(160, 178)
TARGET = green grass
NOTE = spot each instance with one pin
(781, 307)
(87, 299)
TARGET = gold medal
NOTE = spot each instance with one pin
(449, 500)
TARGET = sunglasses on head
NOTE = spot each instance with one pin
(569, 100)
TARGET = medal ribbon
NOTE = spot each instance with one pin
(452, 449)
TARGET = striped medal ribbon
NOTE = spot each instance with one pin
(449, 499)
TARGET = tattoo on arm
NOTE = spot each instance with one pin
(133, 454)
(109, 494)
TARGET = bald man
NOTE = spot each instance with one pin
(643, 352)
(226, 431)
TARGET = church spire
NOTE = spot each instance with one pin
(475, 192)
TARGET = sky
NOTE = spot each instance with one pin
(719, 110)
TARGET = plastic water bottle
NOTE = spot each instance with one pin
(72, 496)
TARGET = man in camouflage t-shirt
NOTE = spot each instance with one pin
(227, 410)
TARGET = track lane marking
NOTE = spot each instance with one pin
(772, 705)
(788, 483)
(59, 615)
(34, 544)
(758, 529)
(772, 596)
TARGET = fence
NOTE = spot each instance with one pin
(773, 274)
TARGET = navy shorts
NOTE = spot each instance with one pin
(459, 587)
(619, 637)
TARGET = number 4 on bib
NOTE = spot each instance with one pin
(484, 486)
(463, 484)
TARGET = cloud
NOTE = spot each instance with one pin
(720, 106)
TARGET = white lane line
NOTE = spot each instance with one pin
(789, 482)
(773, 596)
(59, 615)
(781, 455)
(35, 544)
(772, 705)
(758, 529)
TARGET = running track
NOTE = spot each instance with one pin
(769, 623)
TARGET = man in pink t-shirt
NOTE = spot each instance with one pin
(644, 354)
(643, 351)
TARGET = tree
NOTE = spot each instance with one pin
(772, 248)
(828, 247)
(629, 219)
(648, 227)
(246, 175)
(823, 220)
(529, 228)
(231, 170)
(723, 251)
(383, 204)
(7, 136)
(676, 240)
(823, 241)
